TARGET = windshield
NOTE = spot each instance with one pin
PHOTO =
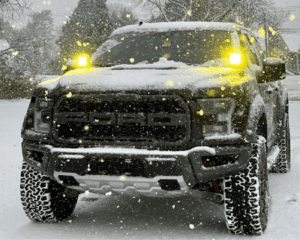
(192, 47)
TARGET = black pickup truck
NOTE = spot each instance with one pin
(165, 110)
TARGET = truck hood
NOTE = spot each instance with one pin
(147, 77)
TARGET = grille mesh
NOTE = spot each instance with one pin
(139, 119)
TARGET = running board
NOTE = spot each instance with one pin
(272, 156)
(210, 196)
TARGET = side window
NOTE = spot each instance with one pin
(256, 48)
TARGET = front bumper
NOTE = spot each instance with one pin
(71, 167)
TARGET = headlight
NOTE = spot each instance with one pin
(42, 115)
(216, 114)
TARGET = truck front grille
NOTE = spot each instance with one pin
(116, 119)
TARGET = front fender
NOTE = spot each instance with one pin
(256, 114)
(283, 108)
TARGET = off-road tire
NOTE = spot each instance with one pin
(246, 194)
(283, 162)
(43, 199)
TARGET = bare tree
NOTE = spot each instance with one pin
(246, 12)
(11, 8)
(169, 9)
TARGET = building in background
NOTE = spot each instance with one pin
(292, 39)
(284, 44)
(5, 52)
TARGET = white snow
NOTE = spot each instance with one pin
(121, 217)
(175, 26)
(4, 45)
(34, 134)
(71, 156)
(231, 136)
(42, 78)
(129, 151)
(271, 60)
(157, 159)
(292, 40)
(155, 76)
(162, 63)
(106, 46)
(272, 156)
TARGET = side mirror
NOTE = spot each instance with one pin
(273, 69)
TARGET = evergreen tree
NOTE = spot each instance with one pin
(121, 16)
(87, 28)
(29, 53)
(40, 43)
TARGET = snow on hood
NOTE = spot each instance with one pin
(162, 75)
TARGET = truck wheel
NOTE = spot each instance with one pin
(283, 162)
(246, 194)
(43, 199)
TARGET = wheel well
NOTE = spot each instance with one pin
(262, 127)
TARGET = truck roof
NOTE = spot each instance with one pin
(177, 26)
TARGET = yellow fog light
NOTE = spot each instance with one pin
(235, 59)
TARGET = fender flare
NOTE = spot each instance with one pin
(257, 110)
(283, 108)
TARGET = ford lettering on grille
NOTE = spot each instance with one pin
(108, 119)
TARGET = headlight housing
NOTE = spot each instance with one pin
(217, 116)
(42, 115)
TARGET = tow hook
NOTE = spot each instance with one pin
(209, 196)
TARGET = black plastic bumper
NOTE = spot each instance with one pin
(195, 165)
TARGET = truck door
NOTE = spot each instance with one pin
(267, 89)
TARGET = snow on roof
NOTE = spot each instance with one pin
(176, 26)
(3, 44)
(292, 40)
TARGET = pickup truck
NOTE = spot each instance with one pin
(163, 110)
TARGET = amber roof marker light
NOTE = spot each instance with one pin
(235, 59)
(83, 61)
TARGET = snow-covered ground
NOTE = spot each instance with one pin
(100, 217)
